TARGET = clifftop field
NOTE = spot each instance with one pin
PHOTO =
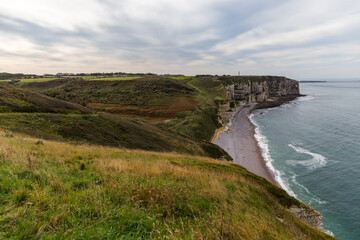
(41, 116)
(97, 158)
(54, 190)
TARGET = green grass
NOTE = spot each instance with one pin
(36, 80)
(201, 122)
(33, 80)
(16, 101)
(13, 99)
(140, 92)
(154, 97)
(51, 190)
(211, 87)
(54, 190)
(20, 82)
(181, 78)
(87, 78)
(93, 78)
(37, 115)
(105, 129)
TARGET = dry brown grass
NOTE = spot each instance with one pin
(61, 189)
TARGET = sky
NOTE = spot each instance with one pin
(301, 39)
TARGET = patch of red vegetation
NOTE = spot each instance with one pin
(48, 84)
(163, 111)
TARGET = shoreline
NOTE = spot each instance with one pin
(269, 172)
(240, 143)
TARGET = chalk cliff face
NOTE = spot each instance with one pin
(250, 91)
(266, 90)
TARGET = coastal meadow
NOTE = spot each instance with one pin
(54, 190)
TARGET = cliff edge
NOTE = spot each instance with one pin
(266, 92)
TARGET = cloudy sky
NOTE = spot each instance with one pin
(300, 39)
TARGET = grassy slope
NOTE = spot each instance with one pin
(37, 79)
(94, 78)
(201, 122)
(188, 103)
(104, 129)
(23, 81)
(52, 190)
(145, 91)
(40, 116)
(13, 99)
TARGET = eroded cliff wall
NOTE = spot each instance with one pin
(271, 91)
(260, 90)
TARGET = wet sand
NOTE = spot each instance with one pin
(240, 143)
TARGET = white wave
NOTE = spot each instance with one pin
(317, 160)
(285, 106)
(312, 196)
(327, 231)
(262, 141)
(305, 98)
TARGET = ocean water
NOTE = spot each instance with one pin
(313, 145)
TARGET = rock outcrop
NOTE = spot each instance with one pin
(308, 215)
(268, 91)
(260, 90)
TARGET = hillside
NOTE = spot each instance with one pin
(14, 99)
(186, 105)
(52, 186)
(171, 103)
(151, 113)
(152, 97)
(53, 190)
(40, 116)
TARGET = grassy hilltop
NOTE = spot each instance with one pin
(186, 105)
(53, 190)
(129, 158)
(40, 116)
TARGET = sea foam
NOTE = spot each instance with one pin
(262, 141)
(317, 160)
(305, 98)
(311, 196)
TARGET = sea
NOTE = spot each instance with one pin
(312, 144)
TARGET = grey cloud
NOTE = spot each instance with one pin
(186, 37)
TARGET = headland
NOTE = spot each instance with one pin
(237, 135)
